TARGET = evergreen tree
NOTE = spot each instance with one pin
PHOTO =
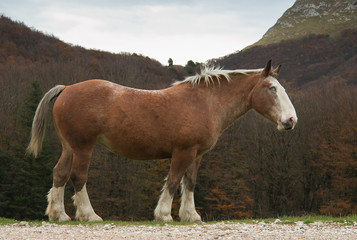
(27, 181)
(5, 184)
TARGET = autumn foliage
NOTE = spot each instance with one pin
(254, 170)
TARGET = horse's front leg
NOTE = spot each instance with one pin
(188, 211)
(181, 160)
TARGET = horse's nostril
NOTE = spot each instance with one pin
(288, 124)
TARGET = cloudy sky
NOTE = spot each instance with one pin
(196, 30)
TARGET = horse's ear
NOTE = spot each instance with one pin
(267, 69)
(277, 70)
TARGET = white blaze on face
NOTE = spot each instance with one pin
(288, 117)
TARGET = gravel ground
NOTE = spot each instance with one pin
(223, 230)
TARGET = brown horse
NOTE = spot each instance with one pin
(182, 122)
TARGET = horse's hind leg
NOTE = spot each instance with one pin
(187, 211)
(61, 172)
(79, 176)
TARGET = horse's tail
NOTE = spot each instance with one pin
(38, 124)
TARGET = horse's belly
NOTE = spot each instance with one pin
(137, 149)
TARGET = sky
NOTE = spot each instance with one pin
(197, 30)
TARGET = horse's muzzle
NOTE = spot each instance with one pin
(288, 124)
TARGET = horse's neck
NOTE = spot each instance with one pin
(233, 98)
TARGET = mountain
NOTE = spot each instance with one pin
(307, 17)
(315, 40)
(306, 60)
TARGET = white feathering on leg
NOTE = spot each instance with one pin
(163, 209)
(85, 210)
(187, 211)
(55, 209)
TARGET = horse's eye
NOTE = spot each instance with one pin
(273, 89)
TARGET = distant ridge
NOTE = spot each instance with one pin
(307, 17)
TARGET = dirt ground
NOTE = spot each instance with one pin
(223, 230)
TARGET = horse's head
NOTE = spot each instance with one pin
(270, 99)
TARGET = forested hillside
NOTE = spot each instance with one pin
(254, 171)
(306, 60)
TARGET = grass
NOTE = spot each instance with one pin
(348, 220)
(6, 221)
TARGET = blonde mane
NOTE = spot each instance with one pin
(208, 73)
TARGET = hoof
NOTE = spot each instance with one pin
(95, 218)
(63, 217)
(166, 218)
(191, 218)
(91, 218)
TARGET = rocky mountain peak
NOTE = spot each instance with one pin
(313, 17)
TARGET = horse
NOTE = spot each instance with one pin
(181, 122)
